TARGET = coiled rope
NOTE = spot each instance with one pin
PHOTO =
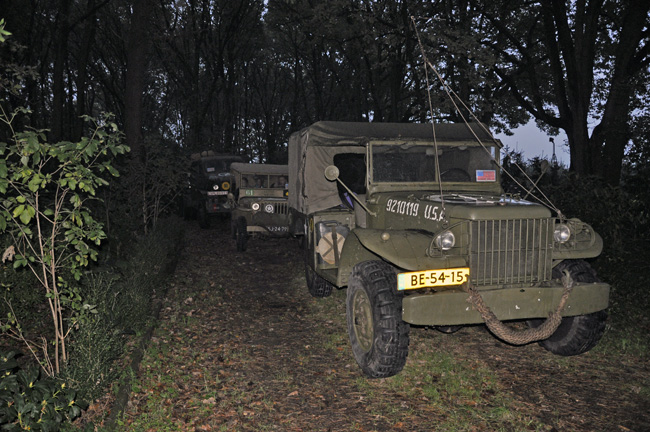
(522, 337)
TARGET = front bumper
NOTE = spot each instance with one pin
(451, 307)
(217, 205)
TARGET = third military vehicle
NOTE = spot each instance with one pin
(208, 186)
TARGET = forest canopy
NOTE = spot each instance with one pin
(238, 76)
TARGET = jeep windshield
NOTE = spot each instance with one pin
(416, 163)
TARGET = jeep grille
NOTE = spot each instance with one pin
(278, 207)
(510, 251)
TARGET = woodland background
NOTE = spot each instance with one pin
(240, 76)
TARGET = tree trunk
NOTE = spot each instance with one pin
(60, 60)
(136, 70)
(613, 132)
(82, 71)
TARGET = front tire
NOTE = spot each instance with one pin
(378, 336)
(449, 329)
(241, 234)
(233, 229)
(204, 217)
(576, 334)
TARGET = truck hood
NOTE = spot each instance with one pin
(425, 210)
(472, 206)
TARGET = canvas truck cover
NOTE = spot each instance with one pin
(313, 148)
(264, 169)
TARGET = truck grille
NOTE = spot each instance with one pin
(510, 251)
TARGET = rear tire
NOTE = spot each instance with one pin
(317, 286)
(576, 334)
(378, 336)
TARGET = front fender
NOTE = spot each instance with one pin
(404, 249)
(353, 252)
(585, 242)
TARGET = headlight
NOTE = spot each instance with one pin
(445, 240)
(215, 187)
(562, 233)
(268, 208)
(255, 206)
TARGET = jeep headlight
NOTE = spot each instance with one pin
(562, 233)
(268, 208)
(255, 206)
(445, 240)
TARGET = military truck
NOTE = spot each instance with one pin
(259, 201)
(413, 220)
(208, 185)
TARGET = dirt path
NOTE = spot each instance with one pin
(242, 346)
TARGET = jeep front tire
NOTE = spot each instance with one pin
(378, 336)
(241, 234)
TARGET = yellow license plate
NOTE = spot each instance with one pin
(432, 278)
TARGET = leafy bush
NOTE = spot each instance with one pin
(30, 402)
(45, 188)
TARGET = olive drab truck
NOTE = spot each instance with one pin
(259, 201)
(412, 219)
(208, 186)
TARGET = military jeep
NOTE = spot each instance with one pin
(209, 182)
(413, 220)
(259, 201)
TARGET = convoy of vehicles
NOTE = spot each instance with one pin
(258, 201)
(412, 219)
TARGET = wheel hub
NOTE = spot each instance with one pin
(362, 319)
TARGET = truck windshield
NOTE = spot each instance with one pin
(417, 163)
(219, 165)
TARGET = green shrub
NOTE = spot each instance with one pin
(122, 299)
(99, 340)
(30, 402)
(141, 279)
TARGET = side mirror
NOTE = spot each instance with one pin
(331, 173)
